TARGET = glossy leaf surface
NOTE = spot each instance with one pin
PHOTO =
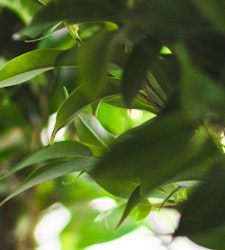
(27, 66)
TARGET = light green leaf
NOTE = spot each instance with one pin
(78, 101)
(55, 151)
(27, 66)
(25, 9)
(53, 171)
(91, 132)
(143, 209)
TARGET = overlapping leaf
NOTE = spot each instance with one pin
(91, 132)
(67, 149)
(93, 59)
(53, 171)
(74, 11)
(135, 72)
(78, 100)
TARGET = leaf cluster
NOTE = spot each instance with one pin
(164, 58)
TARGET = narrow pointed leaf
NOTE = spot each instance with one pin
(133, 201)
(27, 66)
(53, 171)
(55, 151)
(91, 132)
(138, 63)
(78, 101)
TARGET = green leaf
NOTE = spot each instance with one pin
(138, 63)
(160, 18)
(117, 187)
(55, 151)
(25, 9)
(27, 66)
(159, 151)
(91, 132)
(53, 171)
(143, 209)
(93, 58)
(78, 101)
(74, 11)
(201, 219)
(201, 96)
(214, 11)
(134, 199)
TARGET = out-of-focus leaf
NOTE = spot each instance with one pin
(98, 226)
(91, 132)
(24, 8)
(118, 187)
(202, 219)
(150, 146)
(166, 71)
(143, 209)
(158, 152)
(74, 11)
(78, 100)
(27, 66)
(165, 18)
(213, 239)
(201, 95)
(139, 61)
(214, 10)
(55, 151)
(93, 59)
(53, 171)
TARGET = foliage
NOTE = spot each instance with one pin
(95, 62)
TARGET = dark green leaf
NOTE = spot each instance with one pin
(166, 18)
(204, 211)
(214, 10)
(118, 187)
(201, 95)
(138, 63)
(159, 151)
(93, 59)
